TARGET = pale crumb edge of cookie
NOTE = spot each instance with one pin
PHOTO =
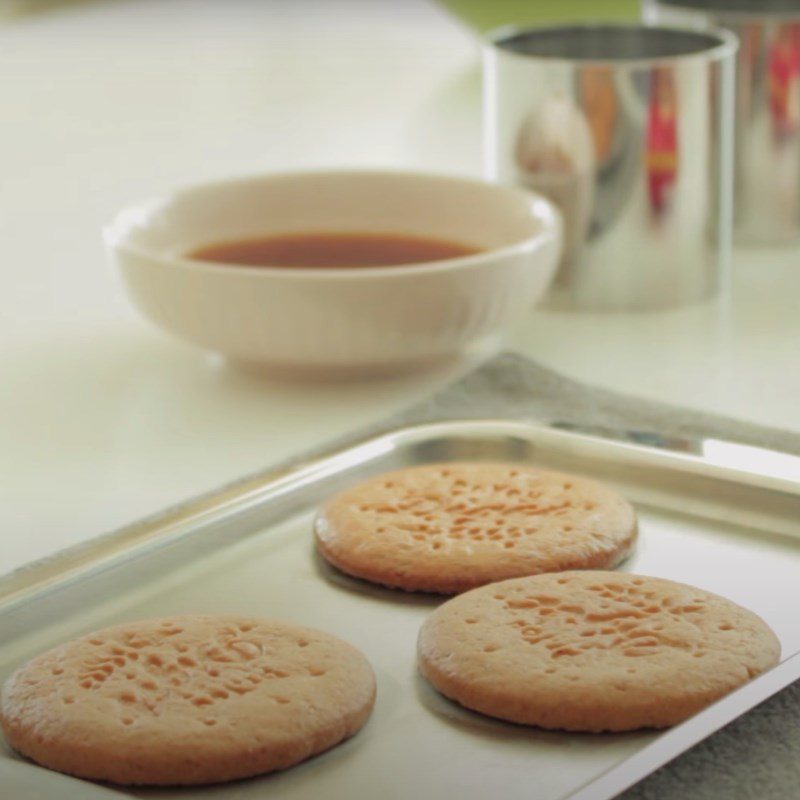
(660, 718)
(456, 585)
(212, 776)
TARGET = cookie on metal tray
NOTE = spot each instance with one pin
(450, 527)
(187, 700)
(592, 651)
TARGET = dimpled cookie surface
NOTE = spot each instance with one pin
(450, 527)
(187, 700)
(592, 651)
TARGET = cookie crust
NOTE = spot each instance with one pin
(592, 651)
(187, 700)
(447, 528)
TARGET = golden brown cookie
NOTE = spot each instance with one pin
(592, 651)
(187, 700)
(450, 527)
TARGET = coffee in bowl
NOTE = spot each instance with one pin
(338, 270)
(333, 249)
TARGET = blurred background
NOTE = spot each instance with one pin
(482, 14)
(487, 14)
(106, 102)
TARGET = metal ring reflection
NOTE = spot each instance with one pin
(628, 129)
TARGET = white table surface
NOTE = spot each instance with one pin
(104, 419)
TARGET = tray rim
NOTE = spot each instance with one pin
(50, 573)
(674, 742)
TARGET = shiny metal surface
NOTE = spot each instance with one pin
(246, 549)
(676, 741)
(671, 468)
(767, 162)
(629, 130)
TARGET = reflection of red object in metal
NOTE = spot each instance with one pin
(784, 73)
(662, 140)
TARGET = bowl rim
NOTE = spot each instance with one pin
(540, 208)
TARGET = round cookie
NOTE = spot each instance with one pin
(450, 527)
(592, 651)
(187, 700)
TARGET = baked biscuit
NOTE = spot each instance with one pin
(450, 527)
(592, 651)
(187, 700)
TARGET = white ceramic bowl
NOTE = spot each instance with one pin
(343, 317)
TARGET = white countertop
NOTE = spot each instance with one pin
(104, 419)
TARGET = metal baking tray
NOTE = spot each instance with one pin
(708, 517)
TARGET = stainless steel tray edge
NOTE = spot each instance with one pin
(672, 743)
(174, 523)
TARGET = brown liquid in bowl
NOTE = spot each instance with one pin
(333, 250)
